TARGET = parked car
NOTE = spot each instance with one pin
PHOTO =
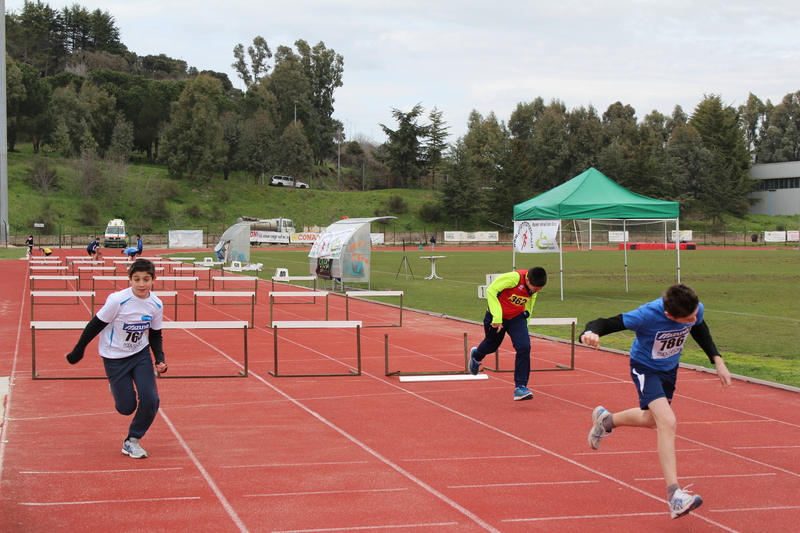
(287, 181)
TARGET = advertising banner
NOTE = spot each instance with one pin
(536, 236)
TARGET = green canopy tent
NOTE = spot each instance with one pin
(592, 195)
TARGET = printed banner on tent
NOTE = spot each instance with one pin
(330, 244)
(536, 236)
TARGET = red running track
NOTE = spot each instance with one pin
(371, 453)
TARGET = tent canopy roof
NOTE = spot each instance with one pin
(593, 195)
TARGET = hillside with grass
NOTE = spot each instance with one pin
(76, 194)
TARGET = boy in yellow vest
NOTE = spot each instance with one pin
(510, 297)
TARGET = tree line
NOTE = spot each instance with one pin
(75, 88)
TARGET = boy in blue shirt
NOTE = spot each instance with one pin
(661, 328)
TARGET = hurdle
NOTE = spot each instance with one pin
(71, 325)
(192, 269)
(431, 373)
(544, 322)
(91, 270)
(300, 294)
(294, 278)
(175, 280)
(62, 294)
(301, 324)
(65, 279)
(54, 267)
(169, 294)
(349, 294)
(247, 279)
(218, 294)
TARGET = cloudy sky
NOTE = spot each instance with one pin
(460, 55)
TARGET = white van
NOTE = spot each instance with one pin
(115, 235)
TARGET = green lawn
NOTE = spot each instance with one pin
(750, 296)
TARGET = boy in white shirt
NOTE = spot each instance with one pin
(129, 325)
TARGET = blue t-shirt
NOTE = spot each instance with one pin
(659, 340)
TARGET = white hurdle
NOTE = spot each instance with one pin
(544, 322)
(73, 325)
(303, 324)
(219, 294)
(366, 294)
(298, 294)
(62, 294)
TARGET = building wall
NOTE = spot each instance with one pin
(779, 190)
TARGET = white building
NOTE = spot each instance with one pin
(779, 188)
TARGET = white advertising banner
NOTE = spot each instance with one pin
(793, 235)
(536, 236)
(685, 235)
(271, 237)
(330, 244)
(477, 236)
(618, 236)
(188, 238)
(774, 236)
(304, 238)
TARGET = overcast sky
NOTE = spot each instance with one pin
(460, 55)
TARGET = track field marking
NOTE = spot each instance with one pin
(626, 452)
(81, 472)
(520, 484)
(480, 458)
(746, 509)
(312, 493)
(711, 477)
(585, 517)
(95, 502)
(725, 422)
(365, 528)
(763, 447)
(209, 480)
(456, 506)
(281, 465)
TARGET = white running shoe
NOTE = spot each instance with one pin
(131, 447)
(682, 503)
(598, 431)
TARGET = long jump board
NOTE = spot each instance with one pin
(443, 377)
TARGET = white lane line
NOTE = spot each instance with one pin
(583, 517)
(95, 502)
(221, 497)
(521, 484)
(366, 528)
(316, 492)
(747, 509)
(478, 458)
(281, 465)
(82, 472)
(715, 476)
(763, 447)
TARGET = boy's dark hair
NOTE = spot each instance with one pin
(680, 301)
(537, 276)
(142, 265)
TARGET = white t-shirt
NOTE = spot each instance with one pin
(129, 318)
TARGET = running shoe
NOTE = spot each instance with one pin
(598, 431)
(474, 366)
(682, 503)
(522, 393)
(131, 447)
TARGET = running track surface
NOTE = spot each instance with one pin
(372, 453)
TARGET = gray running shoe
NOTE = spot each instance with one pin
(474, 366)
(598, 431)
(131, 447)
(682, 503)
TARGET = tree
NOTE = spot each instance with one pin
(485, 142)
(514, 184)
(257, 153)
(436, 144)
(34, 37)
(84, 117)
(294, 154)
(323, 69)
(720, 128)
(405, 156)
(460, 193)
(259, 53)
(193, 140)
(549, 147)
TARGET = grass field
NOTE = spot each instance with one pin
(750, 296)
